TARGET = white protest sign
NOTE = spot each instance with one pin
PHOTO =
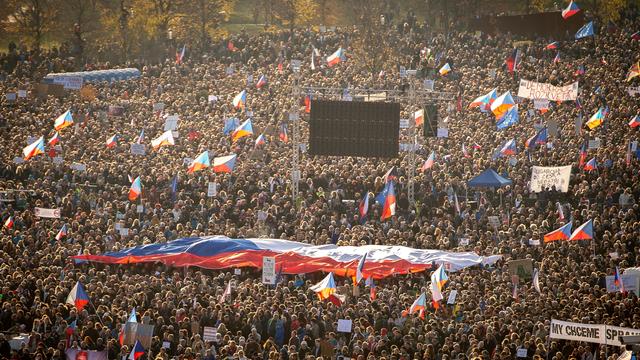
(69, 82)
(464, 241)
(533, 242)
(344, 325)
(237, 271)
(269, 270)
(138, 149)
(47, 213)
(166, 345)
(494, 221)
(140, 209)
(521, 353)
(209, 333)
(547, 177)
(79, 167)
(18, 160)
(58, 160)
(540, 104)
(594, 333)
(594, 144)
(429, 85)
(633, 90)
(443, 133)
(452, 297)
(212, 189)
(404, 123)
(124, 231)
(158, 107)
(212, 98)
(535, 90)
(630, 282)
(171, 122)
(22, 93)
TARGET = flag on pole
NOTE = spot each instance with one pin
(62, 232)
(226, 293)
(245, 129)
(634, 71)
(617, 281)
(36, 148)
(8, 223)
(260, 140)
(284, 137)
(585, 31)
(418, 117)
(261, 82)
(54, 139)
(583, 232)
(140, 139)
(445, 69)
(359, 269)
(200, 162)
(63, 121)
(372, 288)
(570, 10)
(240, 100)
(364, 206)
(132, 317)
(419, 305)
(502, 104)
(136, 189)
(112, 141)
(325, 288)
(180, 55)
(165, 139)
(635, 121)
(78, 297)
(591, 165)
(137, 351)
(429, 162)
(536, 280)
(513, 61)
(335, 58)
(552, 46)
(562, 233)
(560, 211)
(597, 119)
(224, 164)
(389, 205)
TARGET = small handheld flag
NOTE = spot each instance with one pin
(199, 163)
(62, 233)
(37, 147)
(563, 233)
(180, 55)
(240, 100)
(364, 206)
(224, 164)
(635, 122)
(389, 206)
(359, 269)
(445, 69)
(372, 288)
(226, 293)
(325, 288)
(261, 82)
(429, 162)
(260, 140)
(554, 45)
(112, 141)
(634, 71)
(284, 137)
(513, 61)
(78, 297)
(419, 305)
(509, 148)
(583, 232)
(570, 10)
(137, 351)
(63, 121)
(8, 223)
(54, 139)
(335, 58)
(617, 281)
(166, 139)
(591, 165)
(140, 137)
(557, 58)
(136, 189)
(245, 129)
(536, 280)
(132, 317)
(418, 116)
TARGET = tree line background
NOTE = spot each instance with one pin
(149, 28)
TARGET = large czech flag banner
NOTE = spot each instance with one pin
(218, 252)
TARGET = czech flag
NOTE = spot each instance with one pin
(37, 147)
(78, 297)
(596, 119)
(62, 233)
(137, 351)
(359, 270)
(372, 288)
(284, 137)
(635, 121)
(429, 162)
(9, 222)
(335, 58)
(563, 233)
(465, 153)
(584, 232)
(260, 140)
(591, 165)
(502, 104)
(418, 117)
(325, 288)
(634, 71)
(224, 164)
(636, 35)
(419, 305)
(552, 46)
(511, 117)
(132, 317)
(245, 129)
(617, 281)
(445, 69)
(307, 104)
(240, 100)
(557, 58)
(440, 277)
(54, 139)
(571, 10)
(112, 141)
(136, 189)
(201, 162)
(261, 82)
(121, 335)
(180, 55)
(509, 148)
(63, 121)
(583, 154)
(485, 101)
(580, 71)
(165, 139)
(389, 206)
(364, 206)
(140, 137)
(513, 60)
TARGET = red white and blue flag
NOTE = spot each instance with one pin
(428, 164)
(389, 205)
(363, 208)
(136, 189)
(8, 223)
(224, 164)
(180, 55)
(261, 82)
(137, 351)
(54, 139)
(335, 58)
(62, 233)
(583, 232)
(570, 10)
(78, 297)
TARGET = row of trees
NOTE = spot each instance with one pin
(141, 27)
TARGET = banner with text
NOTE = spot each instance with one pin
(594, 333)
(535, 90)
(547, 177)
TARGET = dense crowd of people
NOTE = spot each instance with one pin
(487, 321)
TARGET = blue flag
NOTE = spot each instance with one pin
(174, 187)
(510, 118)
(230, 125)
(383, 195)
(585, 31)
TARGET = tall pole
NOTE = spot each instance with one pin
(411, 158)
(294, 118)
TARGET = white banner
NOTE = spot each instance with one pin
(547, 177)
(69, 82)
(594, 333)
(630, 282)
(269, 270)
(47, 213)
(535, 90)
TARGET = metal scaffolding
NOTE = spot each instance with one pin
(412, 96)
